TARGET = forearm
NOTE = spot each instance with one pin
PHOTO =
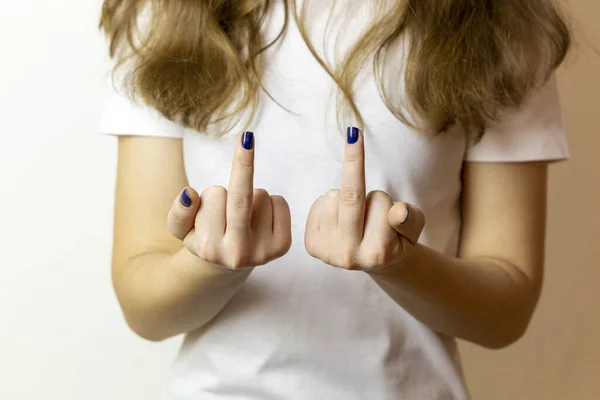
(165, 294)
(485, 301)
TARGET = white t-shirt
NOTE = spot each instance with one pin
(299, 329)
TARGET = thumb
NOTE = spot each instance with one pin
(183, 213)
(407, 220)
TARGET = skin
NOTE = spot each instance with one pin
(171, 280)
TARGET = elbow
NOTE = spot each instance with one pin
(502, 338)
(511, 319)
(147, 320)
(141, 313)
(146, 330)
(144, 318)
(507, 329)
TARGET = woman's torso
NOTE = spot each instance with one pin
(299, 329)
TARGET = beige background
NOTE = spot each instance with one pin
(559, 358)
(61, 333)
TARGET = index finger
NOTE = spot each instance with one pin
(241, 184)
(353, 191)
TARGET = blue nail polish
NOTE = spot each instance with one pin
(353, 134)
(185, 199)
(248, 140)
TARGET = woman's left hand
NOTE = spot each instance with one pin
(350, 230)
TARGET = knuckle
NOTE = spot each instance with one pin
(279, 203)
(286, 244)
(351, 196)
(311, 248)
(206, 248)
(353, 158)
(347, 260)
(379, 194)
(317, 248)
(240, 201)
(378, 257)
(245, 164)
(282, 245)
(213, 192)
(235, 253)
(208, 253)
(272, 250)
(261, 193)
(264, 256)
(333, 193)
(237, 260)
(261, 198)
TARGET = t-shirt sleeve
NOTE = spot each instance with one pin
(124, 116)
(534, 132)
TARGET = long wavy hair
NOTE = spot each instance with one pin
(200, 62)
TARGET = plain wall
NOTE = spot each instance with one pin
(61, 333)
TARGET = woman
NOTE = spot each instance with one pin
(335, 288)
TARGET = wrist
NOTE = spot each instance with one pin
(401, 267)
(209, 269)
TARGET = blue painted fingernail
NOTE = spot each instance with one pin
(353, 134)
(248, 140)
(185, 199)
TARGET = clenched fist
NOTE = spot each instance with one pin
(237, 228)
(348, 229)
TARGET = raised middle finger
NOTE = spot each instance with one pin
(241, 185)
(351, 214)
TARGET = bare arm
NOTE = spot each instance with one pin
(163, 288)
(489, 293)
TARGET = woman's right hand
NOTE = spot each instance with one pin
(237, 228)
